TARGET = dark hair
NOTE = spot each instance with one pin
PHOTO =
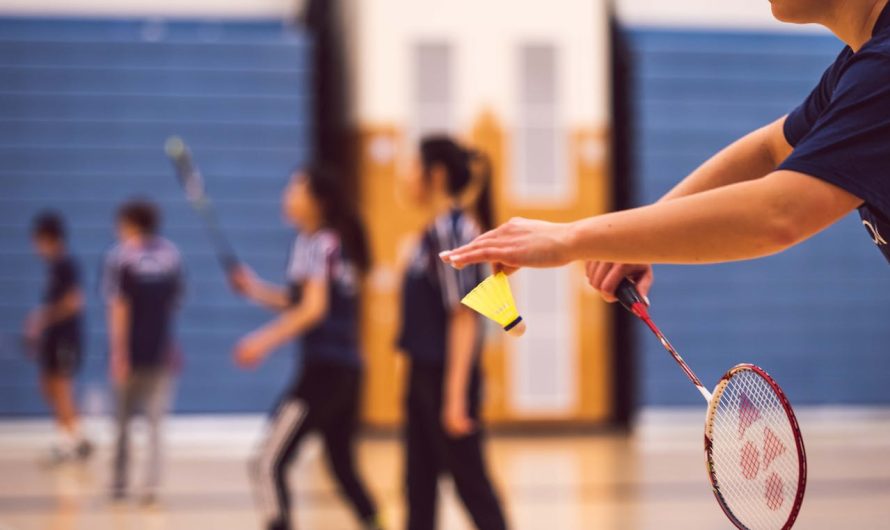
(142, 214)
(340, 213)
(464, 168)
(48, 225)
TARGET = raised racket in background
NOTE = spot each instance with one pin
(755, 454)
(193, 184)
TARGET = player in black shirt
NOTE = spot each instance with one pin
(54, 332)
(320, 307)
(444, 433)
(768, 191)
(143, 284)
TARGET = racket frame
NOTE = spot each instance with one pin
(192, 182)
(795, 428)
(631, 299)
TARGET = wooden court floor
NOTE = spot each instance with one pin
(654, 479)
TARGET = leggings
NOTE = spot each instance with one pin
(325, 400)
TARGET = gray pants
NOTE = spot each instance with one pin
(149, 391)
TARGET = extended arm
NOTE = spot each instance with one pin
(753, 156)
(735, 222)
(291, 323)
(246, 283)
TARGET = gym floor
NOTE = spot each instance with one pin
(652, 479)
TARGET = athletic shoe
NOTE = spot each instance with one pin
(84, 449)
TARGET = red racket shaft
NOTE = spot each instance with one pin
(631, 299)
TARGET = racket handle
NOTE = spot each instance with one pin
(628, 295)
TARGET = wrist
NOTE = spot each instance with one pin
(573, 241)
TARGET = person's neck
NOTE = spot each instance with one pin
(853, 21)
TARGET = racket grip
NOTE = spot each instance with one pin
(628, 295)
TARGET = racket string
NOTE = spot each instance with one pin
(753, 452)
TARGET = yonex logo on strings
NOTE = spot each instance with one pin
(753, 460)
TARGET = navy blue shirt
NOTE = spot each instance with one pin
(432, 290)
(64, 276)
(841, 132)
(149, 277)
(320, 257)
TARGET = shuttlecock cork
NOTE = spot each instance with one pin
(493, 299)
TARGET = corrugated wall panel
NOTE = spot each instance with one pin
(85, 106)
(815, 316)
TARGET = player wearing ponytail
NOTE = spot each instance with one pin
(443, 339)
(320, 306)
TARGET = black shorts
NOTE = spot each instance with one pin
(60, 356)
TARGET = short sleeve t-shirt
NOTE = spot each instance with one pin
(150, 278)
(841, 132)
(64, 276)
(432, 290)
(320, 256)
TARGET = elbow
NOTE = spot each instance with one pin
(784, 230)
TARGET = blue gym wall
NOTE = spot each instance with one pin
(85, 107)
(816, 317)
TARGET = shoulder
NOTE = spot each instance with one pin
(326, 239)
(114, 255)
(868, 69)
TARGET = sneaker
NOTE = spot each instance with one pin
(85, 449)
(58, 456)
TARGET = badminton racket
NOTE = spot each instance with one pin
(754, 450)
(192, 182)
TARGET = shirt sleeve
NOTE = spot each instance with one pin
(801, 119)
(448, 233)
(311, 257)
(848, 145)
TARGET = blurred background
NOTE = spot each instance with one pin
(584, 106)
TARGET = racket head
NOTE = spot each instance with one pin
(755, 452)
(186, 171)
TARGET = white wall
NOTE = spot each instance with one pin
(153, 8)
(486, 35)
(717, 14)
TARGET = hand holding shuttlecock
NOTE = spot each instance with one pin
(493, 299)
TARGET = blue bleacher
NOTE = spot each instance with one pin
(815, 316)
(85, 107)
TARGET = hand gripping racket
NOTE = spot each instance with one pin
(755, 455)
(193, 184)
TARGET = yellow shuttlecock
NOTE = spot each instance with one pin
(493, 299)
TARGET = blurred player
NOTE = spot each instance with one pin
(767, 192)
(320, 305)
(143, 284)
(53, 332)
(444, 339)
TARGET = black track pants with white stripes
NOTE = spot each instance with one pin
(326, 400)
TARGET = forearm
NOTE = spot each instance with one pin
(736, 222)
(287, 326)
(754, 156)
(118, 327)
(461, 349)
(69, 306)
(269, 295)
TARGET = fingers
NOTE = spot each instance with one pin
(481, 254)
(644, 283)
(610, 283)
